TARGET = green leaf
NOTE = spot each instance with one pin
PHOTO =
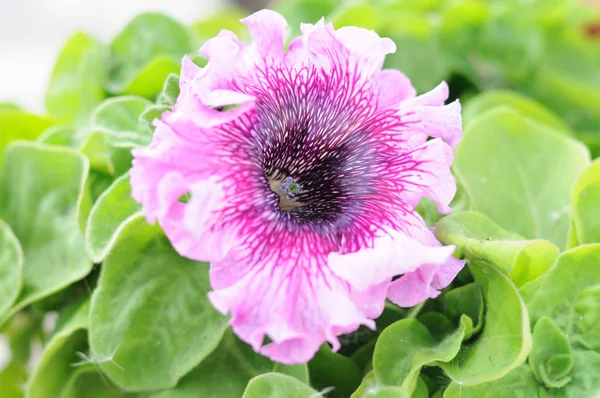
(421, 391)
(550, 358)
(99, 183)
(466, 300)
(304, 11)
(567, 296)
(526, 106)
(328, 369)
(153, 112)
(406, 346)
(228, 18)
(149, 81)
(96, 149)
(61, 135)
(300, 372)
(12, 379)
(150, 311)
(227, 370)
(170, 91)
(19, 125)
(424, 51)
(506, 339)
(56, 365)
(9, 106)
(585, 377)
(478, 238)
(22, 330)
(362, 15)
(274, 385)
(585, 197)
(438, 324)
(119, 119)
(11, 264)
(77, 82)
(587, 313)
(87, 381)
(146, 51)
(519, 383)
(503, 163)
(370, 389)
(45, 203)
(114, 209)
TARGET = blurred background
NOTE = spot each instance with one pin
(32, 33)
(546, 52)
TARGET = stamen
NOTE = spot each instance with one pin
(288, 190)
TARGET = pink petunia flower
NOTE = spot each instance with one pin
(302, 169)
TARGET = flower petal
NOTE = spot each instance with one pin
(267, 29)
(394, 87)
(392, 254)
(423, 283)
(366, 48)
(358, 50)
(297, 308)
(435, 97)
(194, 229)
(443, 122)
(424, 172)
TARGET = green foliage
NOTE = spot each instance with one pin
(521, 320)
(77, 82)
(328, 369)
(145, 52)
(550, 358)
(405, 347)
(56, 365)
(45, 204)
(126, 325)
(504, 163)
(227, 371)
(505, 340)
(11, 264)
(585, 197)
(274, 385)
(113, 210)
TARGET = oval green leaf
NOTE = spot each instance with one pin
(548, 343)
(506, 339)
(329, 369)
(506, 163)
(19, 125)
(150, 311)
(145, 52)
(566, 293)
(478, 238)
(77, 82)
(585, 200)
(119, 119)
(227, 370)
(275, 385)
(56, 365)
(111, 212)
(45, 202)
(526, 106)
(11, 264)
(405, 347)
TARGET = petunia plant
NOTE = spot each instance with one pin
(367, 199)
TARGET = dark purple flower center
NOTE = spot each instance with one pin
(309, 133)
(316, 174)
